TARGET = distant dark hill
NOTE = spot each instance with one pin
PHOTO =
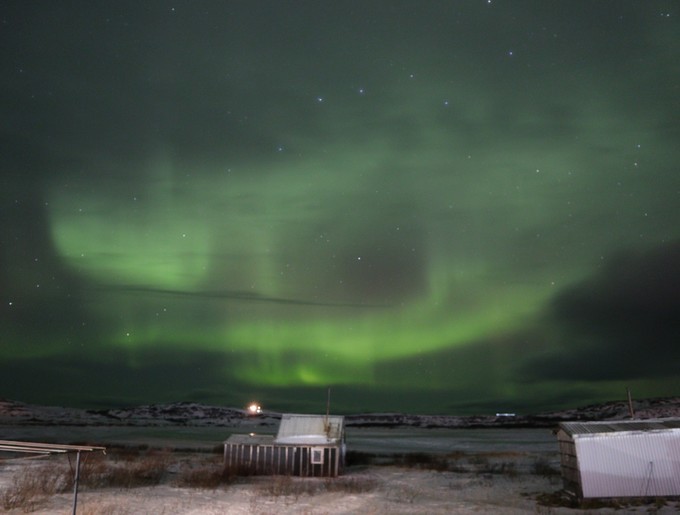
(196, 414)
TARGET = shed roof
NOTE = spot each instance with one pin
(577, 429)
(250, 439)
(310, 429)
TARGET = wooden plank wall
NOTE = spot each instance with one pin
(281, 459)
(571, 475)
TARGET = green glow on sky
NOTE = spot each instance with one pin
(167, 244)
(345, 350)
(146, 238)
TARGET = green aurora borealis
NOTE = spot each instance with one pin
(454, 207)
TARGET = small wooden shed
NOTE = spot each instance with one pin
(305, 445)
(631, 458)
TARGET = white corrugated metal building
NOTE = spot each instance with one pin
(305, 445)
(630, 458)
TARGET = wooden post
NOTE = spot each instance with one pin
(630, 404)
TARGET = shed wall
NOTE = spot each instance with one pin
(638, 464)
(571, 476)
(282, 459)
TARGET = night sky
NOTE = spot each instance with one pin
(431, 206)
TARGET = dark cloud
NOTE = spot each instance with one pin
(119, 377)
(620, 324)
(42, 296)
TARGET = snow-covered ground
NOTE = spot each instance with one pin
(391, 490)
(396, 490)
(488, 471)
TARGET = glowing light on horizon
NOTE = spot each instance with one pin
(254, 408)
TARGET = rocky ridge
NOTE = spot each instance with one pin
(196, 414)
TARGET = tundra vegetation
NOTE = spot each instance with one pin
(32, 484)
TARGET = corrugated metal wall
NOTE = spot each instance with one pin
(282, 459)
(637, 464)
(293, 425)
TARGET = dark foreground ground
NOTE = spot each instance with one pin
(175, 470)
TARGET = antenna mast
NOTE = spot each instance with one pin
(630, 404)
(326, 424)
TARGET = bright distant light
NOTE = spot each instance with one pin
(254, 409)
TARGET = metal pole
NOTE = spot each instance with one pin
(75, 486)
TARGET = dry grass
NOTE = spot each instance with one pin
(127, 468)
(203, 474)
(543, 467)
(287, 486)
(231, 473)
(32, 486)
(482, 463)
(561, 499)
